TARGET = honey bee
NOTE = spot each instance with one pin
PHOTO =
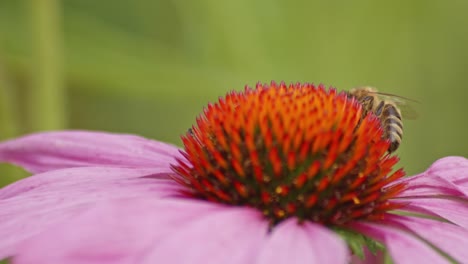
(388, 108)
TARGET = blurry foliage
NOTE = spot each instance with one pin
(148, 67)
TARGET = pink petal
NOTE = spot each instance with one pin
(403, 247)
(55, 150)
(31, 205)
(452, 210)
(291, 242)
(449, 163)
(131, 230)
(448, 237)
(447, 176)
(453, 169)
(430, 185)
(229, 236)
(95, 177)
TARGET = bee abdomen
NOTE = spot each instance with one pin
(393, 126)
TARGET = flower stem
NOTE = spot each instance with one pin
(46, 96)
(8, 111)
(9, 124)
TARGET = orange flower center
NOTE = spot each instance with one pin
(297, 150)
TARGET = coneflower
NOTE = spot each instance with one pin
(274, 174)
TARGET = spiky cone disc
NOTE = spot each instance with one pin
(297, 150)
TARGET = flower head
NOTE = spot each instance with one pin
(296, 150)
(275, 174)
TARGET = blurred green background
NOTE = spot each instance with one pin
(149, 67)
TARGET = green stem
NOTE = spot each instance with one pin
(9, 122)
(9, 126)
(46, 96)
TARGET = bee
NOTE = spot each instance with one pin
(388, 108)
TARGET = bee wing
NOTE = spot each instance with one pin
(408, 112)
(406, 105)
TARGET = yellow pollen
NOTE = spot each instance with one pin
(279, 190)
(281, 213)
(356, 200)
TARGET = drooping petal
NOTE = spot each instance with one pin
(447, 176)
(430, 185)
(56, 150)
(291, 242)
(453, 169)
(94, 177)
(130, 231)
(31, 205)
(448, 163)
(455, 211)
(233, 235)
(448, 237)
(403, 247)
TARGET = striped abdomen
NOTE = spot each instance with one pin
(390, 117)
